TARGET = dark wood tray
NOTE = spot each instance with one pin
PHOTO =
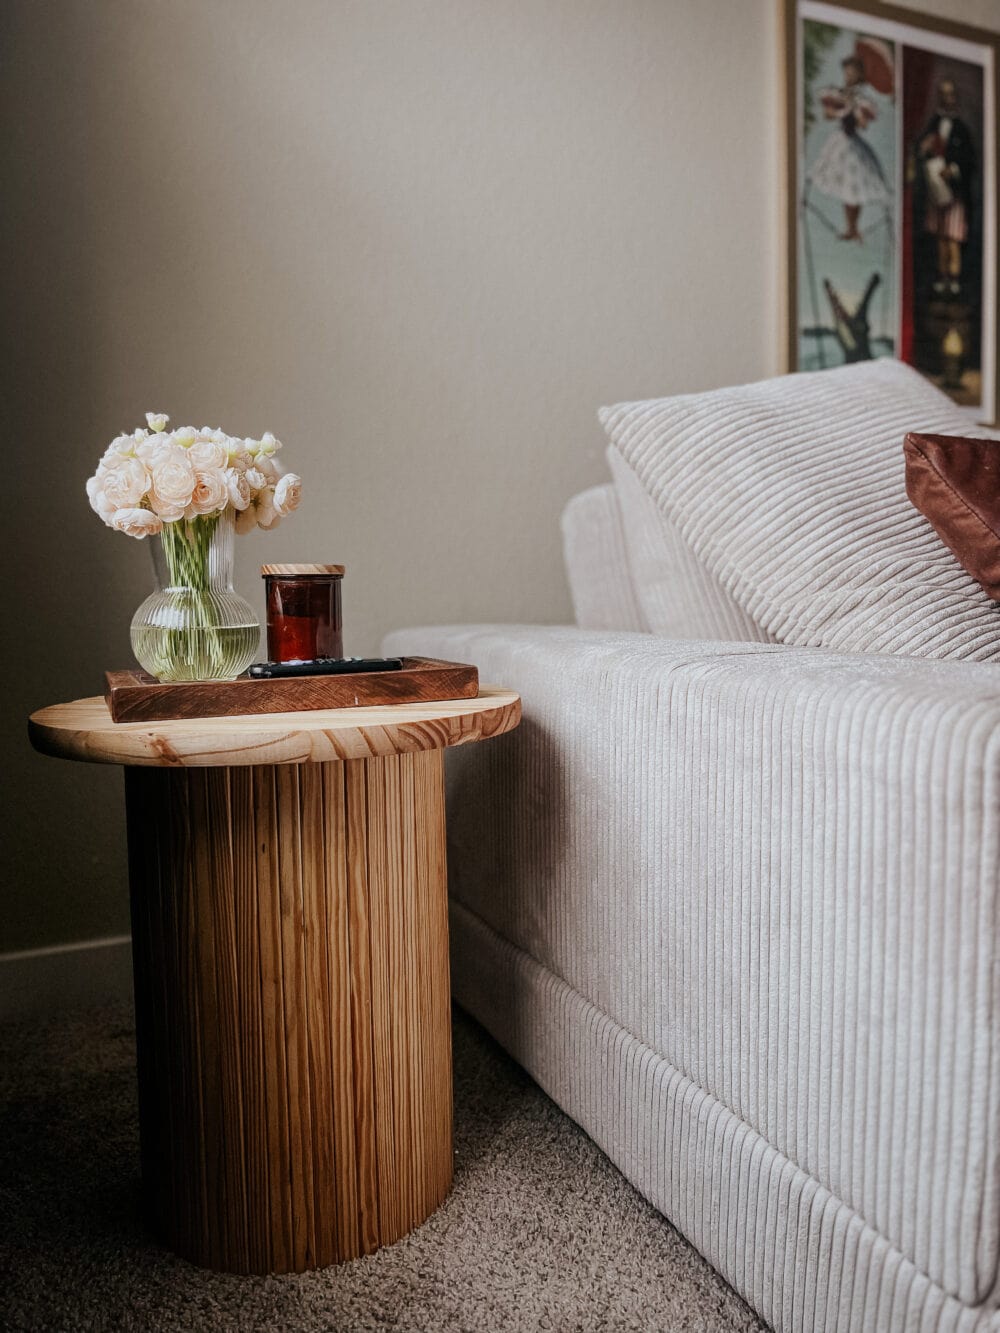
(134, 696)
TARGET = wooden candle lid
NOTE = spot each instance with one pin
(290, 571)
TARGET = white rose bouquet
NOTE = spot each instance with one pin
(191, 487)
(155, 477)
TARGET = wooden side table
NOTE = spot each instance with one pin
(290, 945)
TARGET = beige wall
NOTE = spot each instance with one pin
(421, 240)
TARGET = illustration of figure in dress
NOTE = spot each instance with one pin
(847, 167)
(946, 150)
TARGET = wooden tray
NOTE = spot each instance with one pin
(134, 696)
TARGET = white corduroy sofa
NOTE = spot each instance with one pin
(730, 893)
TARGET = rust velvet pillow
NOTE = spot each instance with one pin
(955, 483)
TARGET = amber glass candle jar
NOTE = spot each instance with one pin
(303, 612)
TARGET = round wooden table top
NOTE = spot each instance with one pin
(84, 730)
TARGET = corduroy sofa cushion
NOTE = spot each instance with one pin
(680, 599)
(791, 493)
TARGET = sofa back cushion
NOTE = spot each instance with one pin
(791, 493)
(597, 565)
(679, 597)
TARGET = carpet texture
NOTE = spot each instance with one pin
(539, 1232)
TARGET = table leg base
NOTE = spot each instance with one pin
(290, 939)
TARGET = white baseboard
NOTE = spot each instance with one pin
(39, 982)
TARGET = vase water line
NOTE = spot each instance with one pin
(195, 626)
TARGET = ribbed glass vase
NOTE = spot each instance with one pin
(195, 626)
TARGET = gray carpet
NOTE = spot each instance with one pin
(540, 1231)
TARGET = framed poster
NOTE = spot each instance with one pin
(892, 164)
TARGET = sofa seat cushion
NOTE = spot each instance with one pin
(792, 494)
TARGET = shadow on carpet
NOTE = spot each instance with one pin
(539, 1232)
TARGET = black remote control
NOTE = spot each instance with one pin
(325, 666)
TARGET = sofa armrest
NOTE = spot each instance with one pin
(779, 867)
(552, 661)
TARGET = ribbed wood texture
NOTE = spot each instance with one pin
(292, 1004)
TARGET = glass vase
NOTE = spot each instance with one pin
(195, 626)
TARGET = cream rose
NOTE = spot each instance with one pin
(238, 488)
(210, 492)
(136, 522)
(155, 447)
(267, 516)
(173, 482)
(157, 421)
(122, 446)
(288, 493)
(126, 483)
(260, 513)
(267, 468)
(207, 454)
(99, 502)
(255, 479)
(238, 456)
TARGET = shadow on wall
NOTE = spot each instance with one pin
(63, 837)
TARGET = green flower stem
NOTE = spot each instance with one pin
(186, 545)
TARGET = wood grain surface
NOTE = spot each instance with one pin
(298, 571)
(135, 696)
(84, 730)
(290, 943)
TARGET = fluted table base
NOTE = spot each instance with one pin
(290, 939)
